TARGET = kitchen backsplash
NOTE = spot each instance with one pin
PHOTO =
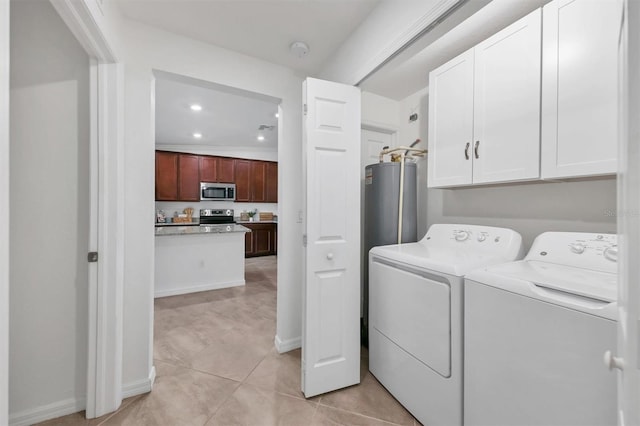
(169, 207)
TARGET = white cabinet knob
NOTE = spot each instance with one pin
(613, 361)
(330, 256)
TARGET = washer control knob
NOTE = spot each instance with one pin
(577, 248)
(482, 237)
(462, 235)
(611, 253)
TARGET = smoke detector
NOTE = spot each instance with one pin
(299, 49)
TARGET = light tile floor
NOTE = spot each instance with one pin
(216, 365)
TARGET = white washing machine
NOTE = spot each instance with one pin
(415, 314)
(536, 331)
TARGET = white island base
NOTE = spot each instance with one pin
(188, 263)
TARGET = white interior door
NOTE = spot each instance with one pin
(331, 291)
(628, 219)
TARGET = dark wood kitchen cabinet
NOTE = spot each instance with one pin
(262, 240)
(177, 177)
(271, 182)
(166, 176)
(217, 169)
(242, 175)
(258, 181)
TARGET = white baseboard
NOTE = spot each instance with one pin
(197, 288)
(287, 345)
(139, 387)
(47, 412)
(70, 406)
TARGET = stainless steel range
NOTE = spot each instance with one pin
(216, 216)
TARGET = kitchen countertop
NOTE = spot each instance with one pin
(256, 221)
(202, 229)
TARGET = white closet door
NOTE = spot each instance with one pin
(579, 88)
(451, 122)
(331, 300)
(507, 103)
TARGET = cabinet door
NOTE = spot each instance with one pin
(263, 239)
(208, 168)
(451, 122)
(272, 182)
(166, 176)
(249, 249)
(188, 177)
(226, 170)
(579, 87)
(258, 181)
(507, 103)
(274, 239)
(242, 175)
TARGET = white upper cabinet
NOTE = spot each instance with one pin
(484, 110)
(506, 125)
(579, 90)
(451, 118)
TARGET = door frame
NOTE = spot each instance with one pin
(4, 212)
(106, 277)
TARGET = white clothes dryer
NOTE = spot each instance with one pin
(536, 331)
(415, 314)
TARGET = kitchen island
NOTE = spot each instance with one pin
(189, 259)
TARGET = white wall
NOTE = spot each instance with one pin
(529, 208)
(410, 131)
(388, 27)
(149, 49)
(49, 195)
(4, 213)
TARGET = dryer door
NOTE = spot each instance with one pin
(412, 308)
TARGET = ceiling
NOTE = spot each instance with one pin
(260, 28)
(229, 117)
(475, 21)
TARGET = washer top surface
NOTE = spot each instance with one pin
(456, 249)
(577, 270)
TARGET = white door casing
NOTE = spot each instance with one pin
(104, 375)
(331, 289)
(4, 212)
(628, 352)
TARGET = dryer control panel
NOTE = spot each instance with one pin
(487, 240)
(578, 249)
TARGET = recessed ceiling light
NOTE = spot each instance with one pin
(260, 137)
(197, 135)
(277, 115)
(195, 107)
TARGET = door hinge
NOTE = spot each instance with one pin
(92, 257)
(304, 240)
(304, 109)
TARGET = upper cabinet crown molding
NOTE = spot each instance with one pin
(580, 88)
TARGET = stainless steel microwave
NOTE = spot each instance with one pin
(210, 191)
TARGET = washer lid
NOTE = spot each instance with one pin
(581, 289)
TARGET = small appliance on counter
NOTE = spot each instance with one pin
(216, 216)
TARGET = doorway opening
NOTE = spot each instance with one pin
(215, 286)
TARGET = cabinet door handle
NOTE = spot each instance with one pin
(466, 151)
(475, 149)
